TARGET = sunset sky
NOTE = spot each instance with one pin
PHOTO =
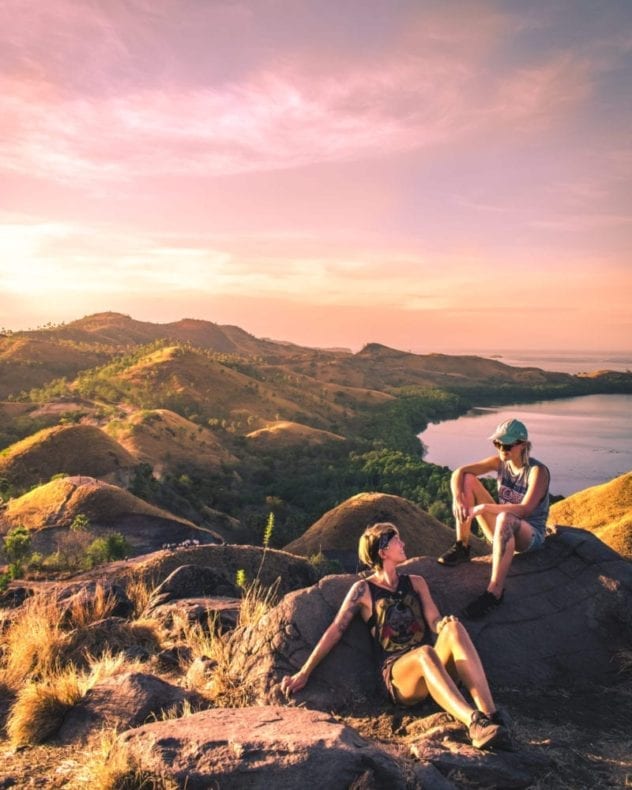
(433, 175)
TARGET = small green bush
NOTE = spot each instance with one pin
(107, 549)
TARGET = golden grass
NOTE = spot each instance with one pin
(87, 608)
(139, 590)
(34, 642)
(223, 688)
(61, 500)
(342, 526)
(50, 633)
(111, 767)
(39, 708)
(604, 509)
(74, 449)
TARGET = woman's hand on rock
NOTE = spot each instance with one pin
(292, 683)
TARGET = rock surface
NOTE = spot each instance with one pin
(264, 565)
(222, 613)
(121, 701)
(263, 747)
(193, 581)
(567, 612)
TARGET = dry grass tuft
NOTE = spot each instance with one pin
(40, 708)
(87, 608)
(111, 767)
(110, 635)
(257, 602)
(139, 591)
(34, 642)
(223, 688)
(50, 633)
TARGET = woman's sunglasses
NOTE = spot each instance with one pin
(506, 447)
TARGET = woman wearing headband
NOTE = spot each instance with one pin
(416, 643)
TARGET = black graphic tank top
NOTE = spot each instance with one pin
(397, 622)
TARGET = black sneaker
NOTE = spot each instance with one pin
(483, 733)
(455, 555)
(482, 605)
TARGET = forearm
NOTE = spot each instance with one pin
(328, 640)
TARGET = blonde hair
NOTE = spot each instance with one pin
(526, 450)
(369, 544)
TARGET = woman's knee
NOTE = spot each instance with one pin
(426, 654)
(455, 632)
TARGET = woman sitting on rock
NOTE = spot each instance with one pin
(516, 524)
(403, 620)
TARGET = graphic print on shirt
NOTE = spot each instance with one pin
(399, 617)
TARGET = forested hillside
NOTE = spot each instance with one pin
(220, 428)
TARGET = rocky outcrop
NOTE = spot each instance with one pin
(263, 747)
(192, 581)
(567, 612)
(264, 565)
(222, 614)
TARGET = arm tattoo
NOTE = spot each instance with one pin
(351, 609)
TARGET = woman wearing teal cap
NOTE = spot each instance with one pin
(516, 523)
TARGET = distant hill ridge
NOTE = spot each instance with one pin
(32, 358)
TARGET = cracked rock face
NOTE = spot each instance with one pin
(566, 613)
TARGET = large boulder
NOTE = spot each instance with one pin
(120, 702)
(567, 613)
(260, 748)
(264, 565)
(192, 581)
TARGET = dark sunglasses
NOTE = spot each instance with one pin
(506, 447)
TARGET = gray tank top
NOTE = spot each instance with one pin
(512, 488)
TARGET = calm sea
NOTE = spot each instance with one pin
(562, 361)
(584, 441)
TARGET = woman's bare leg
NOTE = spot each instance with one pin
(510, 535)
(455, 643)
(421, 672)
(475, 493)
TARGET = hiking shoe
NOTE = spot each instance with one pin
(455, 555)
(500, 716)
(482, 605)
(483, 733)
(505, 737)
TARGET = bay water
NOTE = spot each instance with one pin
(584, 441)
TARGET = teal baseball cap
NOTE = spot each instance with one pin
(510, 431)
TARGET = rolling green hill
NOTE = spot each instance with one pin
(217, 426)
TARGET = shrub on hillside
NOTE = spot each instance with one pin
(107, 549)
